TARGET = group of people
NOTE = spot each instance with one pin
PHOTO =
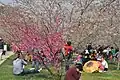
(107, 51)
(92, 59)
(22, 59)
(72, 73)
(82, 61)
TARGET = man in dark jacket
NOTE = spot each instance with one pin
(74, 73)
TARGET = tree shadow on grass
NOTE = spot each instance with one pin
(36, 76)
(43, 76)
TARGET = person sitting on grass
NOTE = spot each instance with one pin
(79, 58)
(104, 65)
(18, 66)
(74, 73)
(28, 57)
(36, 60)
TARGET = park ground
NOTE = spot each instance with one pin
(6, 73)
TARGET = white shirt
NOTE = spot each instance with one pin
(86, 52)
(18, 66)
(5, 48)
(105, 64)
(106, 51)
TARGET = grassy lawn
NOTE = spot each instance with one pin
(112, 74)
(6, 74)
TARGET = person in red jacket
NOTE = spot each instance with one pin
(68, 50)
(74, 73)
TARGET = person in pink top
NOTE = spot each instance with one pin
(103, 65)
(78, 59)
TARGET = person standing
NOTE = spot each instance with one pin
(89, 47)
(67, 51)
(118, 59)
(2, 48)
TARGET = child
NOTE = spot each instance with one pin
(79, 59)
(28, 57)
(93, 56)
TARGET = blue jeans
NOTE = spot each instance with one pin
(35, 64)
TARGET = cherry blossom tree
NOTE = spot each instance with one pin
(24, 33)
(47, 24)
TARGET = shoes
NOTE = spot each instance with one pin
(40, 69)
(37, 70)
(104, 71)
(100, 71)
(32, 68)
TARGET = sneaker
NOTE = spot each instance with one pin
(104, 71)
(32, 68)
(40, 69)
(100, 71)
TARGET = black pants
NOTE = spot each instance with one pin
(4, 52)
(69, 56)
(67, 61)
(106, 69)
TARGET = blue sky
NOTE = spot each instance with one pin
(6, 1)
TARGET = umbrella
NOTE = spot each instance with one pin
(91, 66)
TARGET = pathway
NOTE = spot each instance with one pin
(4, 57)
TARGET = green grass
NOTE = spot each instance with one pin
(6, 74)
(112, 74)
